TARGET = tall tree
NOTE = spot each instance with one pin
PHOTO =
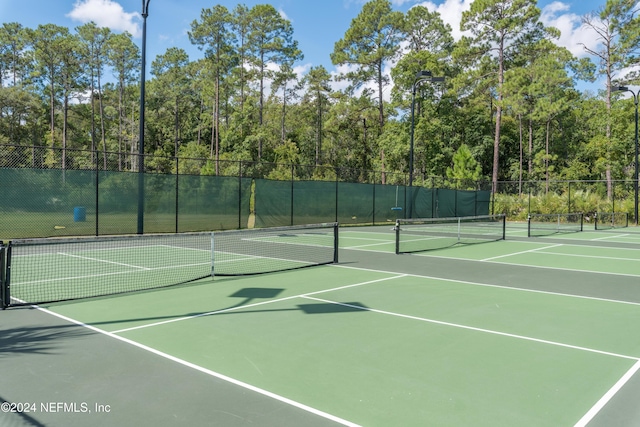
(13, 42)
(70, 79)
(48, 64)
(242, 28)
(369, 45)
(95, 41)
(496, 26)
(213, 34)
(123, 57)
(270, 42)
(616, 29)
(285, 81)
(170, 70)
(317, 93)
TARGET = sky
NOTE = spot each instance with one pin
(317, 24)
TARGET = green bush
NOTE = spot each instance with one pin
(517, 207)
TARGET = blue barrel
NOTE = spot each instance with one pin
(79, 214)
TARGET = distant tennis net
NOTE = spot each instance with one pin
(420, 235)
(609, 220)
(548, 224)
(263, 250)
(40, 271)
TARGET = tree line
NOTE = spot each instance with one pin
(507, 110)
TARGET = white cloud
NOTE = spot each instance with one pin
(106, 13)
(572, 31)
(451, 13)
(555, 14)
(283, 14)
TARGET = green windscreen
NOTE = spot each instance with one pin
(355, 203)
(314, 202)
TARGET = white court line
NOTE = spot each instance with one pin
(104, 261)
(521, 252)
(611, 237)
(112, 273)
(608, 396)
(370, 244)
(475, 329)
(592, 256)
(241, 307)
(543, 267)
(488, 285)
(601, 403)
(207, 371)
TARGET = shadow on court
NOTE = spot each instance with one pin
(37, 339)
(13, 418)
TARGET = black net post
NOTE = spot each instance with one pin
(4, 301)
(6, 276)
(397, 230)
(335, 243)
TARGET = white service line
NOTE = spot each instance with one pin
(208, 371)
(586, 419)
(611, 237)
(521, 252)
(475, 329)
(241, 307)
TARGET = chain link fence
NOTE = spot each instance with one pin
(47, 192)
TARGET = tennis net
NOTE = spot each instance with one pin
(548, 224)
(50, 270)
(609, 220)
(263, 250)
(420, 235)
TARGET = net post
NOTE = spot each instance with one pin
(335, 243)
(528, 225)
(3, 303)
(6, 279)
(504, 227)
(213, 256)
(581, 221)
(397, 230)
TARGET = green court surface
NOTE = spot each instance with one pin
(520, 332)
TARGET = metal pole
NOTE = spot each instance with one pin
(145, 13)
(635, 99)
(413, 101)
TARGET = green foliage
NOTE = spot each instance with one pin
(218, 107)
(466, 170)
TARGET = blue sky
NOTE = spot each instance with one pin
(317, 24)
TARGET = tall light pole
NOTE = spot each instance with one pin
(421, 76)
(635, 177)
(145, 13)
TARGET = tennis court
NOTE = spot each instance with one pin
(522, 331)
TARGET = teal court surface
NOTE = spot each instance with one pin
(518, 332)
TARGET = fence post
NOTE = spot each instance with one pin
(373, 217)
(240, 194)
(336, 171)
(97, 195)
(177, 191)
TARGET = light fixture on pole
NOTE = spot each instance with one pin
(421, 76)
(635, 177)
(145, 13)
